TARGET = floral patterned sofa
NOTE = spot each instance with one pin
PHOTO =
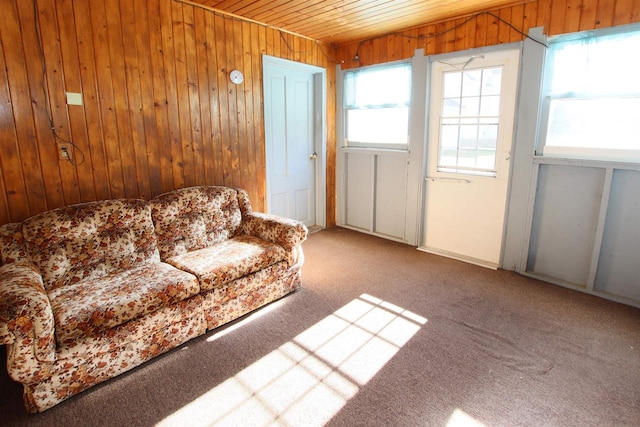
(90, 291)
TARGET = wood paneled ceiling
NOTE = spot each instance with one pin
(344, 21)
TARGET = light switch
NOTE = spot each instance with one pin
(74, 98)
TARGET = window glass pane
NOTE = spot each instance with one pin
(378, 126)
(385, 86)
(376, 102)
(596, 65)
(612, 123)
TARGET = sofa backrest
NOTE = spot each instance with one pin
(12, 247)
(90, 240)
(194, 218)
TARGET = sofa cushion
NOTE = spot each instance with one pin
(87, 307)
(229, 260)
(90, 240)
(194, 218)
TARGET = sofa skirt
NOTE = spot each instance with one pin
(243, 295)
(94, 366)
(97, 359)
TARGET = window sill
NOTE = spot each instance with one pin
(568, 161)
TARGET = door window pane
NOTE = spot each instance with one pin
(471, 82)
(469, 121)
(470, 106)
(452, 85)
(490, 105)
(491, 81)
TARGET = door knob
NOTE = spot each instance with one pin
(313, 156)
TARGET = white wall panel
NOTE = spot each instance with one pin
(565, 217)
(391, 195)
(619, 263)
(359, 194)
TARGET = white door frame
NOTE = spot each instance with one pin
(320, 134)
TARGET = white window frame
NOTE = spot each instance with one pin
(583, 153)
(377, 145)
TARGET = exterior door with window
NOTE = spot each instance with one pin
(468, 152)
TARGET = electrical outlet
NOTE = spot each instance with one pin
(64, 151)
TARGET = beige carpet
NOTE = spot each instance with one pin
(384, 335)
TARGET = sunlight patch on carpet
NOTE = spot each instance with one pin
(459, 418)
(246, 319)
(307, 380)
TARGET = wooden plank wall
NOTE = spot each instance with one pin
(484, 29)
(159, 111)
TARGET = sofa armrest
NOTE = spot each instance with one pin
(287, 233)
(26, 317)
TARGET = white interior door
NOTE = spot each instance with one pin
(468, 152)
(290, 137)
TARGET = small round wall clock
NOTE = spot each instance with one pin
(236, 77)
